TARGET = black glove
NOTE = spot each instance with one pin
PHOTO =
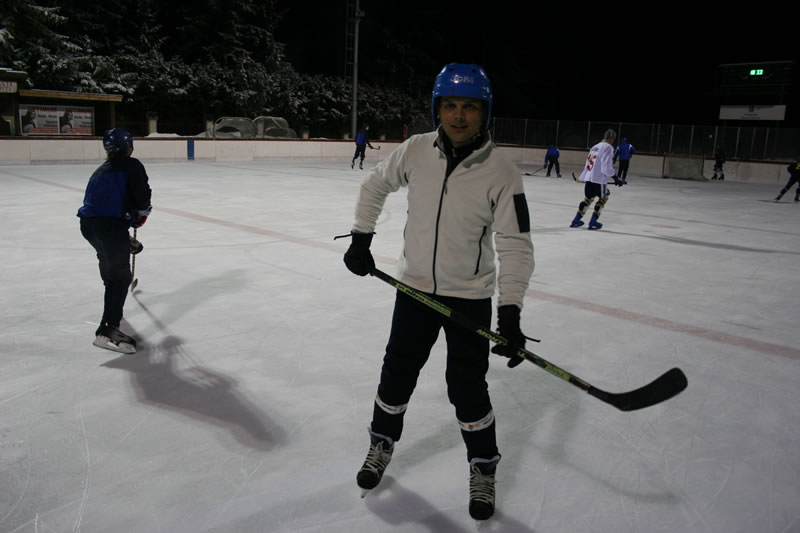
(508, 327)
(617, 181)
(358, 258)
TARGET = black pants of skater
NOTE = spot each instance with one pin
(792, 181)
(553, 161)
(415, 328)
(623, 168)
(361, 150)
(110, 239)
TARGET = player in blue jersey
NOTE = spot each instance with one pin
(117, 197)
(362, 141)
(624, 153)
(551, 159)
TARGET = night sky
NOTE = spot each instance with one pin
(577, 62)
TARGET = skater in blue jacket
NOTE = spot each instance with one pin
(362, 141)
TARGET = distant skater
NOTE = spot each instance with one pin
(794, 178)
(596, 173)
(362, 141)
(624, 153)
(551, 159)
(719, 160)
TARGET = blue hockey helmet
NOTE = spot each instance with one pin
(459, 79)
(117, 140)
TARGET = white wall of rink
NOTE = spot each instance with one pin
(57, 151)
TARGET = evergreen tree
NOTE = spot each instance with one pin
(181, 60)
(230, 50)
(33, 39)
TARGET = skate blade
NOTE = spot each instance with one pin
(364, 492)
(104, 342)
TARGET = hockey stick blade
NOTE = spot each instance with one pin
(661, 389)
(664, 387)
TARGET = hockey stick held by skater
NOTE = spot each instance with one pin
(664, 387)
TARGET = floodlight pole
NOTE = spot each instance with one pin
(354, 118)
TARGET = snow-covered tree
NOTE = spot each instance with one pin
(176, 59)
(33, 38)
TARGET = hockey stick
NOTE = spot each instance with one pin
(662, 388)
(577, 180)
(134, 280)
(535, 171)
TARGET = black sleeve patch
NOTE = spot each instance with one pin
(523, 218)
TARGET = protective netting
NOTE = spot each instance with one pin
(246, 128)
(273, 127)
(683, 166)
(421, 123)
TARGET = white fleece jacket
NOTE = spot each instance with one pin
(448, 247)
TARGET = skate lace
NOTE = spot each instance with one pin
(481, 486)
(377, 459)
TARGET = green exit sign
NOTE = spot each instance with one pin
(756, 71)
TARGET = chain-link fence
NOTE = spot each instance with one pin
(737, 142)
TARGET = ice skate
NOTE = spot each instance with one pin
(594, 224)
(113, 339)
(576, 222)
(481, 488)
(380, 452)
(353, 163)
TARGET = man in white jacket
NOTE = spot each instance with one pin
(598, 169)
(462, 191)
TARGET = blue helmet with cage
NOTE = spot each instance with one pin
(466, 80)
(117, 140)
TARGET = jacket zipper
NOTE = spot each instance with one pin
(436, 238)
(480, 250)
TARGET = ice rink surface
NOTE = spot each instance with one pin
(245, 408)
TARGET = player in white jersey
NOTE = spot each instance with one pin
(598, 169)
